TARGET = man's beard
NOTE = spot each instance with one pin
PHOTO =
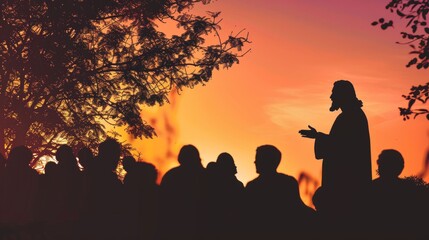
(334, 106)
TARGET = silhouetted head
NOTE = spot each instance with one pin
(148, 172)
(85, 156)
(390, 163)
(189, 156)
(211, 167)
(20, 156)
(212, 172)
(65, 157)
(267, 159)
(2, 161)
(109, 152)
(226, 164)
(128, 162)
(343, 96)
(50, 167)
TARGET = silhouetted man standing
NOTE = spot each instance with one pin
(274, 204)
(346, 154)
(181, 197)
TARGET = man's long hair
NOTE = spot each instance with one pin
(347, 94)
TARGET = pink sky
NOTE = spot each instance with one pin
(299, 48)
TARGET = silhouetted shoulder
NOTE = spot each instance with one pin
(170, 175)
(253, 182)
(278, 178)
(287, 178)
(239, 184)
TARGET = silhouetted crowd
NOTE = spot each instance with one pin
(197, 202)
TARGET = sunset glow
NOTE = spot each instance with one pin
(283, 84)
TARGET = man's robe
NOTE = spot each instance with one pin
(345, 152)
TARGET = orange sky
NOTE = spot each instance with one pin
(299, 48)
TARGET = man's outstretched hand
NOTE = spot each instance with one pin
(312, 133)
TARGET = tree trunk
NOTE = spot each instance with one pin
(21, 134)
(2, 140)
(3, 85)
(2, 129)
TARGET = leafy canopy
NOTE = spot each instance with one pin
(416, 35)
(69, 68)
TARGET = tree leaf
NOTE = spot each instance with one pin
(412, 62)
(95, 56)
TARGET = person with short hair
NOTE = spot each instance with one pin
(274, 205)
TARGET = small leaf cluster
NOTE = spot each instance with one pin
(420, 94)
(416, 36)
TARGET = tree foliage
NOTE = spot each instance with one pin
(68, 68)
(418, 93)
(416, 35)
